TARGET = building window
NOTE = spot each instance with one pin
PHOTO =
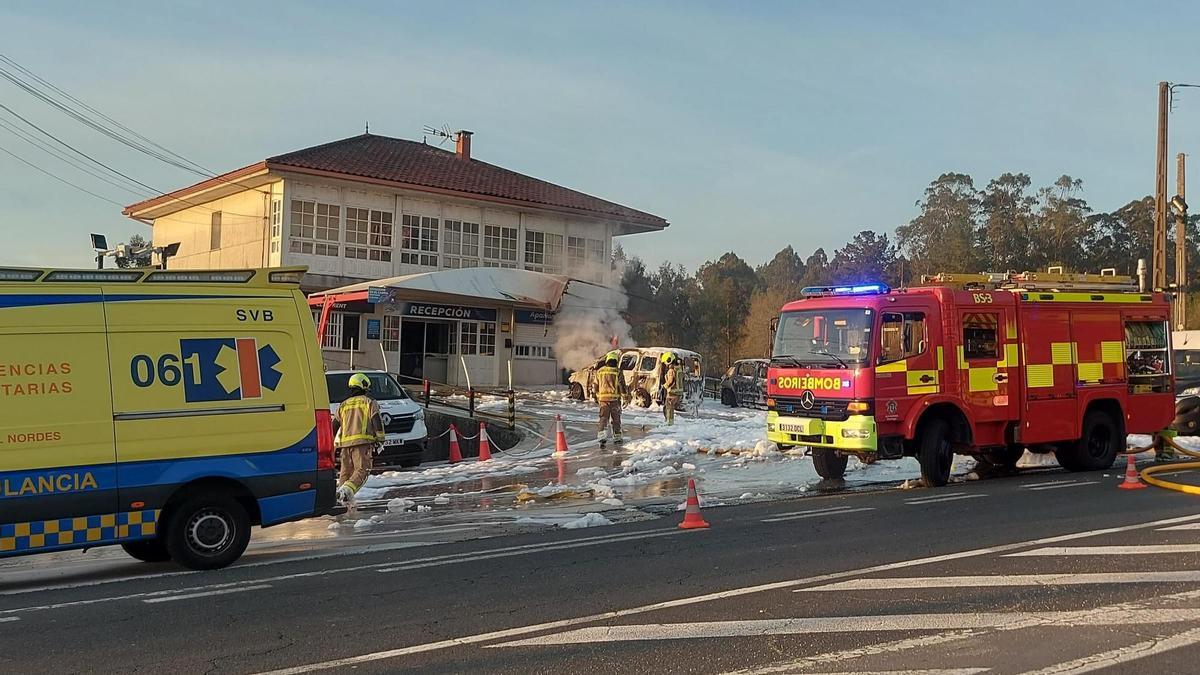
(357, 226)
(545, 352)
(382, 232)
(276, 218)
(543, 252)
(468, 338)
(487, 339)
(585, 257)
(315, 228)
(214, 234)
(460, 244)
(419, 241)
(499, 246)
(391, 333)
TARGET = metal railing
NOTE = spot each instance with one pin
(449, 396)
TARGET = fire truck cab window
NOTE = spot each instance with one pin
(902, 336)
(980, 336)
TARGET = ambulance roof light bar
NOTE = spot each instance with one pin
(830, 291)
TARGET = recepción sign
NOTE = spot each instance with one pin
(533, 316)
(429, 311)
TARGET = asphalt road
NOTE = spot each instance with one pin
(1044, 573)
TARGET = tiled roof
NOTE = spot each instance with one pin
(422, 165)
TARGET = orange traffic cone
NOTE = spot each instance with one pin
(560, 438)
(455, 451)
(691, 515)
(1131, 482)
(485, 445)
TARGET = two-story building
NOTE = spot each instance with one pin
(371, 208)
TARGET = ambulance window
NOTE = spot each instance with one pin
(980, 336)
(902, 336)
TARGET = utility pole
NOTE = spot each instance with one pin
(1158, 259)
(1180, 246)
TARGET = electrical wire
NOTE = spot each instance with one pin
(62, 156)
(57, 178)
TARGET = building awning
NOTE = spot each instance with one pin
(471, 285)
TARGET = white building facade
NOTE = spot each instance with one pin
(371, 208)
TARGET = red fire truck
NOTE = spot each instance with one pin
(986, 365)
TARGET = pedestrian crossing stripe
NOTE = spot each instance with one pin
(100, 529)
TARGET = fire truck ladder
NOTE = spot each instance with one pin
(1054, 279)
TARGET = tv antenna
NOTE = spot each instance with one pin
(444, 133)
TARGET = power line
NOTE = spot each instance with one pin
(57, 178)
(51, 150)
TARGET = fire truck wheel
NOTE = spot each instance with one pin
(934, 453)
(828, 463)
(1096, 450)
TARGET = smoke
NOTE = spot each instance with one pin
(587, 320)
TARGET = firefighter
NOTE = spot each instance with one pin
(672, 384)
(611, 393)
(361, 431)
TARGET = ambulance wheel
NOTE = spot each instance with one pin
(642, 398)
(576, 392)
(828, 463)
(207, 531)
(148, 550)
(1096, 450)
(934, 453)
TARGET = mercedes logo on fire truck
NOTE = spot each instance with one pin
(807, 399)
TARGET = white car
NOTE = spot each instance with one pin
(403, 419)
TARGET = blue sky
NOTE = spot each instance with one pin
(750, 126)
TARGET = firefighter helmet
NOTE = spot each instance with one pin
(360, 381)
(668, 358)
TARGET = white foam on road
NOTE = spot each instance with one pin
(996, 580)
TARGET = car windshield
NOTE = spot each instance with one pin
(383, 387)
(824, 338)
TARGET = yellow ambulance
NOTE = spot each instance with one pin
(166, 411)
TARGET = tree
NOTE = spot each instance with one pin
(1008, 222)
(725, 288)
(764, 306)
(868, 257)
(1062, 225)
(1119, 238)
(816, 269)
(636, 285)
(785, 271)
(675, 291)
(946, 228)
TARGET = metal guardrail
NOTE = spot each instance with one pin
(444, 397)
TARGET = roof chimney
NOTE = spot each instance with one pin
(462, 144)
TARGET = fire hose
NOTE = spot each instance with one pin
(1147, 473)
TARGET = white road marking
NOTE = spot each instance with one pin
(942, 498)
(192, 596)
(1080, 483)
(1152, 549)
(708, 597)
(1175, 528)
(1121, 655)
(830, 509)
(1049, 482)
(883, 583)
(9, 618)
(850, 654)
(815, 514)
(854, 624)
(926, 671)
(448, 559)
(505, 554)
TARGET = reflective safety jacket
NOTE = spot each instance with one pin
(360, 421)
(673, 381)
(610, 385)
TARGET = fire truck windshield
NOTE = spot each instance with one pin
(824, 338)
